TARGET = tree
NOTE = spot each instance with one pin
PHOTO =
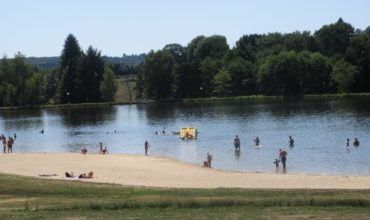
(358, 53)
(71, 80)
(344, 75)
(243, 78)
(281, 74)
(92, 69)
(34, 89)
(177, 51)
(334, 39)
(222, 83)
(159, 75)
(108, 86)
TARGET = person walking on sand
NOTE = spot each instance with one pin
(209, 160)
(237, 143)
(4, 143)
(146, 147)
(282, 156)
(101, 148)
(10, 145)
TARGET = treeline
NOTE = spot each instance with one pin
(79, 77)
(126, 62)
(335, 59)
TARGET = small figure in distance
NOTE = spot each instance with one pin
(100, 148)
(291, 141)
(257, 141)
(276, 162)
(163, 131)
(356, 143)
(156, 132)
(4, 143)
(146, 147)
(42, 131)
(15, 136)
(84, 150)
(237, 143)
(347, 145)
(282, 157)
(10, 145)
(105, 150)
(209, 160)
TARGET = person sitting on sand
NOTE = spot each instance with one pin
(208, 162)
(84, 150)
(69, 175)
(105, 150)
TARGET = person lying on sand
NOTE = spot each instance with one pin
(89, 175)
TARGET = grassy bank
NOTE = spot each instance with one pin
(31, 198)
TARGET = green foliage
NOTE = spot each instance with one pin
(71, 80)
(222, 81)
(333, 39)
(108, 86)
(344, 75)
(158, 75)
(92, 69)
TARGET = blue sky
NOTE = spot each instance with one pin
(39, 27)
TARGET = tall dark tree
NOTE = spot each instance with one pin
(92, 69)
(71, 80)
(334, 39)
(358, 53)
(159, 75)
(177, 51)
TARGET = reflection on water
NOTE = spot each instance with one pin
(319, 128)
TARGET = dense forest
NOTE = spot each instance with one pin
(334, 59)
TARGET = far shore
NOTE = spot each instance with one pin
(154, 171)
(187, 100)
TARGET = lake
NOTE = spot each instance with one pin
(319, 128)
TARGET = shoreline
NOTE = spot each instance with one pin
(163, 172)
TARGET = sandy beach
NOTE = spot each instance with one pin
(152, 171)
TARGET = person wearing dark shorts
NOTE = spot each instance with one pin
(282, 156)
(237, 143)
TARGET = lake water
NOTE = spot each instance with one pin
(319, 128)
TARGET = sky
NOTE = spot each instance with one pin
(116, 27)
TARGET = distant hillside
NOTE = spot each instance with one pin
(51, 62)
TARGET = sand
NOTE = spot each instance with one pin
(152, 171)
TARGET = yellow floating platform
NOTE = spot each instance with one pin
(188, 133)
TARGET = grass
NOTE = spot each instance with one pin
(32, 198)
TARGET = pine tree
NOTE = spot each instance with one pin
(71, 80)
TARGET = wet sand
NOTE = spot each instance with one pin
(152, 171)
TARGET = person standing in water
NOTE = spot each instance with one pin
(146, 147)
(291, 141)
(237, 143)
(282, 157)
(356, 143)
(257, 141)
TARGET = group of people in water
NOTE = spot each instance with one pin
(8, 143)
(282, 153)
